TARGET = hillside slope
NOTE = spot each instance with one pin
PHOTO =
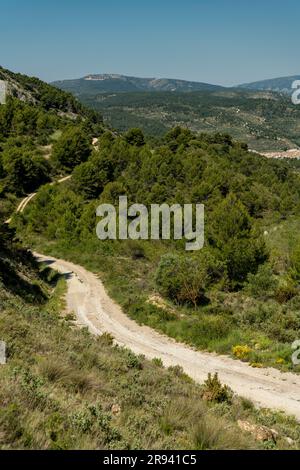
(36, 120)
(61, 388)
(36, 92)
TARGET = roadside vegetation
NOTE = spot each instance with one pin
(62, 388)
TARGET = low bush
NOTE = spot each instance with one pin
(185, 279)
(285, 292)
(261, 284)
(241, 352)
(213, 390)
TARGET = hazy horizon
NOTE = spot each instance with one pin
(148, 77)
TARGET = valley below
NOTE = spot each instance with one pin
(262, 115)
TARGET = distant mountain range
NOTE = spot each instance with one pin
(280, 85)
(113, 83)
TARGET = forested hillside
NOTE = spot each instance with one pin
(265, 120)
(34, 91)
(62, 388)
(35, 122)
(240, 291)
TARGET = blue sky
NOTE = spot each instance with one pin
(216, 41)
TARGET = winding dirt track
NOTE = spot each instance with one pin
(87, 298)
(21, 207)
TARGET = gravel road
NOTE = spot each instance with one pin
(87, 298)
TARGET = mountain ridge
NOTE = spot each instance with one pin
(279, 84)
(118, 83)
(112, 82)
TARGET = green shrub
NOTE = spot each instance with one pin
(185, 279)
(207, 329)
(157, 361)
(168, 277)
(133, 361)
(135, 137)
(72, 148)
(54, 371)
(261, 284)
(231, 231)
(295, 261)
(213, 390)
(89, 179)
(285, 292)
(209, 434)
